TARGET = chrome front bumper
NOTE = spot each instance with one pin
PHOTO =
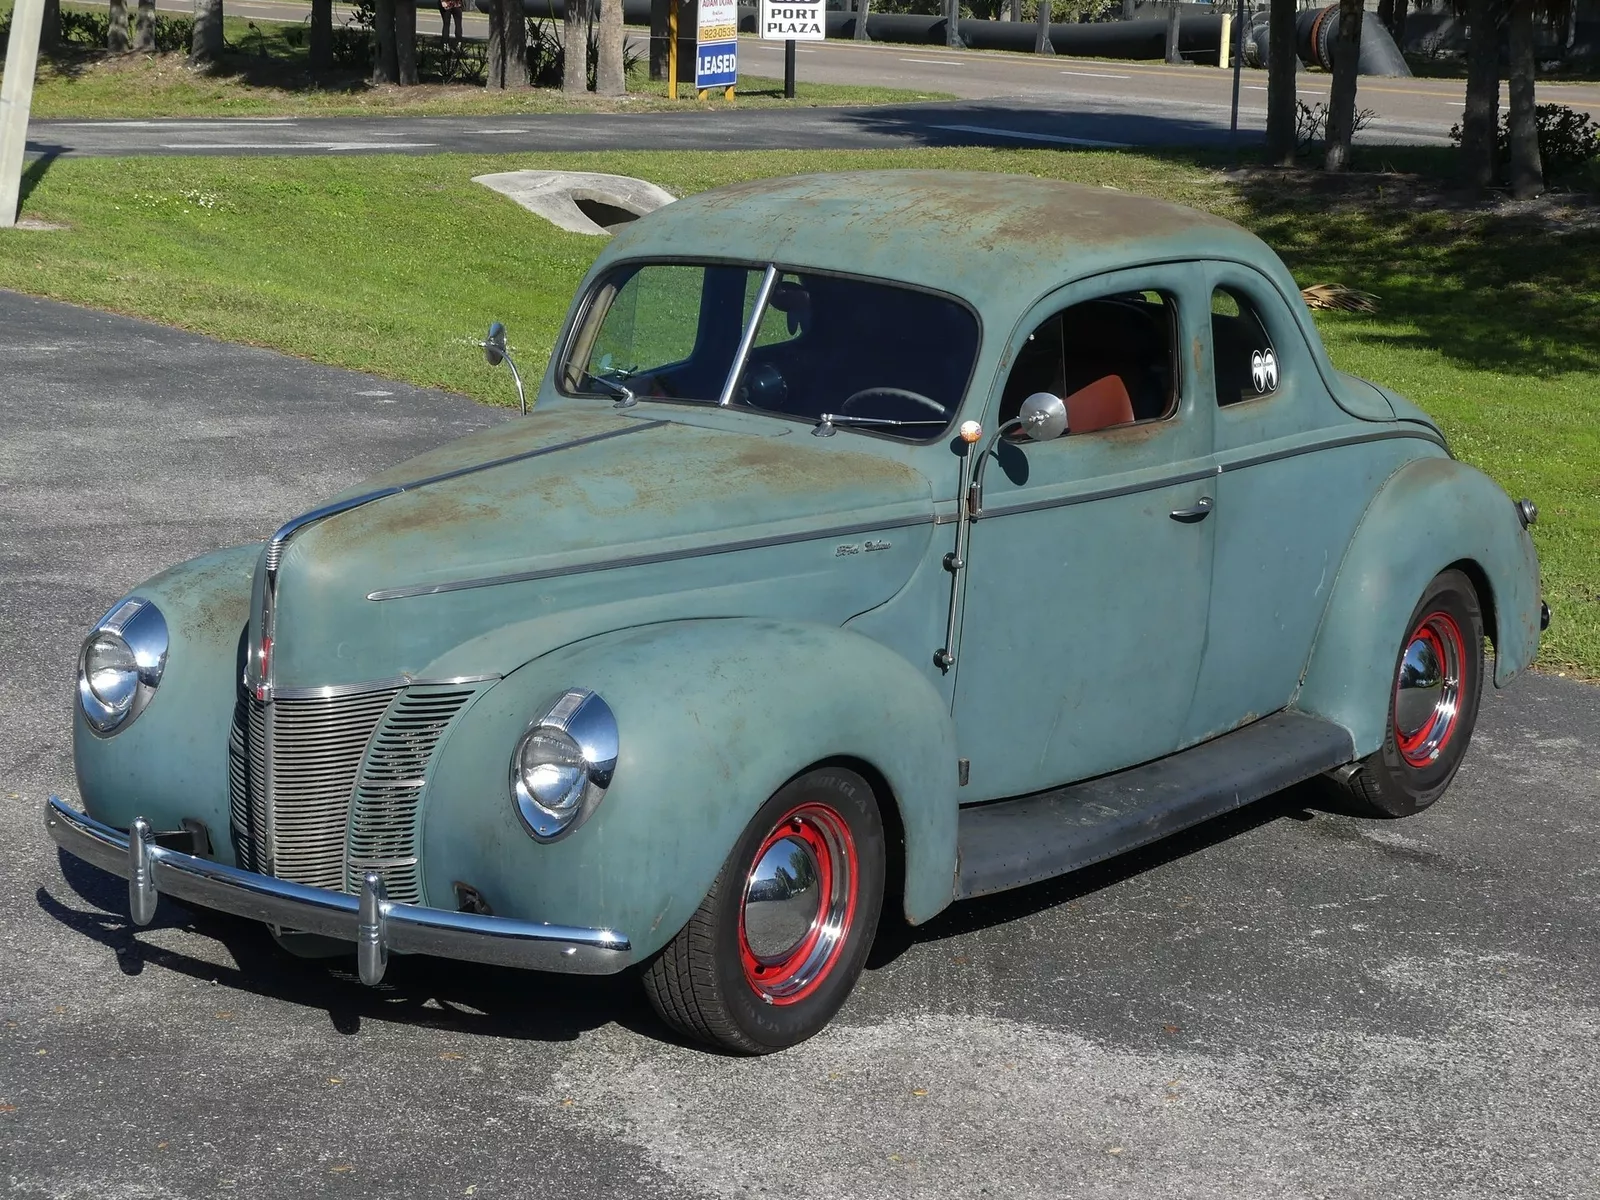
(371, 921)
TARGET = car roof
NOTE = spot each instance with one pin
(995, 240)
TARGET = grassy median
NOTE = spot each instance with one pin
(394, 265)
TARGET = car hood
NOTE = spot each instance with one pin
(574, 522)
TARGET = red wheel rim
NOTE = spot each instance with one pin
(1428, 689)
(799, 904)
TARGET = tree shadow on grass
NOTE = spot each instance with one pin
(33, 174)
(1490, 287)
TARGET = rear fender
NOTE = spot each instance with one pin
(714, 716)
(1429, 515)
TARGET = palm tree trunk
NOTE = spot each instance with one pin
(117, 31)
(659, 38)
(1386, 13)
(952, 23)
(610, 77)
(321, 53)
(1397, 24)
(405, 42)
(144, 27)
(1282, 61)
(1127, 9)
(50, 30)
(575, 48)
(206, 44)
(508, 43)
(1342, 96)
(1041, 40)
(385, 67)
(1527, 172)
(863, 11)
(1480, 121)
(1172, 32)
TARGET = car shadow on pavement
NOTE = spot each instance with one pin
(416, 990)
(895, 936)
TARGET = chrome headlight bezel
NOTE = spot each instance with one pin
(134, 626)
(578, 734)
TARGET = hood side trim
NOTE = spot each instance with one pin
(644, 560)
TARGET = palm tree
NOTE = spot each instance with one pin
(1527, 172)
(1342, 95)
(1282, 59)
(611, 75)
(508, 45)
(206, 44)
(321, 51)
(1480, 120)
(144, 27)
(575, 47)
(117, 30)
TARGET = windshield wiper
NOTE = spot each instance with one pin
(828, 420)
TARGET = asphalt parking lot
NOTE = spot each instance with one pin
(1286, 1003)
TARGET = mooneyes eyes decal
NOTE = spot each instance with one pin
(1264, 370)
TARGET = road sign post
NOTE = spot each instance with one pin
(16, 99)
(778, 21)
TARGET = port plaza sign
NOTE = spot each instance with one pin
(780, 22)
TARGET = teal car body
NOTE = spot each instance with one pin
(751, 599)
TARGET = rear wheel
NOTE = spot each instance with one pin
(1433, 705)
(775, 947)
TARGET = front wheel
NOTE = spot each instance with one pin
(1433, 705)
(775, 947)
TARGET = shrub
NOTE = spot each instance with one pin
(1569, 140)
(1311, 125)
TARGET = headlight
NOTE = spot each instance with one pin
(120, 664)
(563, 764)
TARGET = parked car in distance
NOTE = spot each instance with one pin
(875, 539)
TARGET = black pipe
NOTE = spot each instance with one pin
(1317, 34)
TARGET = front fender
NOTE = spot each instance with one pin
(714, 716)
(1430, 514)
(171, 762)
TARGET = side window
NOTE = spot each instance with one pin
(1113, 360)
(1241, 352)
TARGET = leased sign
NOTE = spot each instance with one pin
(716, 59)
(780, 22)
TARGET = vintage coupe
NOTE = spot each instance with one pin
(877, 539)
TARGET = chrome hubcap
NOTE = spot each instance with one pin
(799, 900)
(781, 900)
(1427, 693)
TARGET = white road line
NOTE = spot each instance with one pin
(1090, 143)
(297, 145)
(1097, 74)
(240, 123)
(940, 62)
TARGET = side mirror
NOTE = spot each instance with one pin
(494, 346)
(1043, 417)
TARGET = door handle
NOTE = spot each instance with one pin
(1200, 511)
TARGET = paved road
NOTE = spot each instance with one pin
(1283, 1004)
(1005, 99)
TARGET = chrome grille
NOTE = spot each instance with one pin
(317, 746)
(384, 813)
(324, 789)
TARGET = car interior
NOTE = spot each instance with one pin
(1111, 361)
(1237, 337)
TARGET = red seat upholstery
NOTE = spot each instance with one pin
(1104, 403)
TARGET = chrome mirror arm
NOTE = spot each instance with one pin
(974, 496)
(522, 398)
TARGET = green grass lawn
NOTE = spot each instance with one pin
(264, 73)
(395, 265)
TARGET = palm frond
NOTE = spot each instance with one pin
(1337, 296)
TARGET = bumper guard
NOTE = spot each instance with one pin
(371, 920)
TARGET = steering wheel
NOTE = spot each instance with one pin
(893, 393)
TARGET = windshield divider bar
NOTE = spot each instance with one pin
(749, 337)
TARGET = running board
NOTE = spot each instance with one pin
(1009, 843)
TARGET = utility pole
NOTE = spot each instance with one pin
(16, 98)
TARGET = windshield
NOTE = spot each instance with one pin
(863, 353)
